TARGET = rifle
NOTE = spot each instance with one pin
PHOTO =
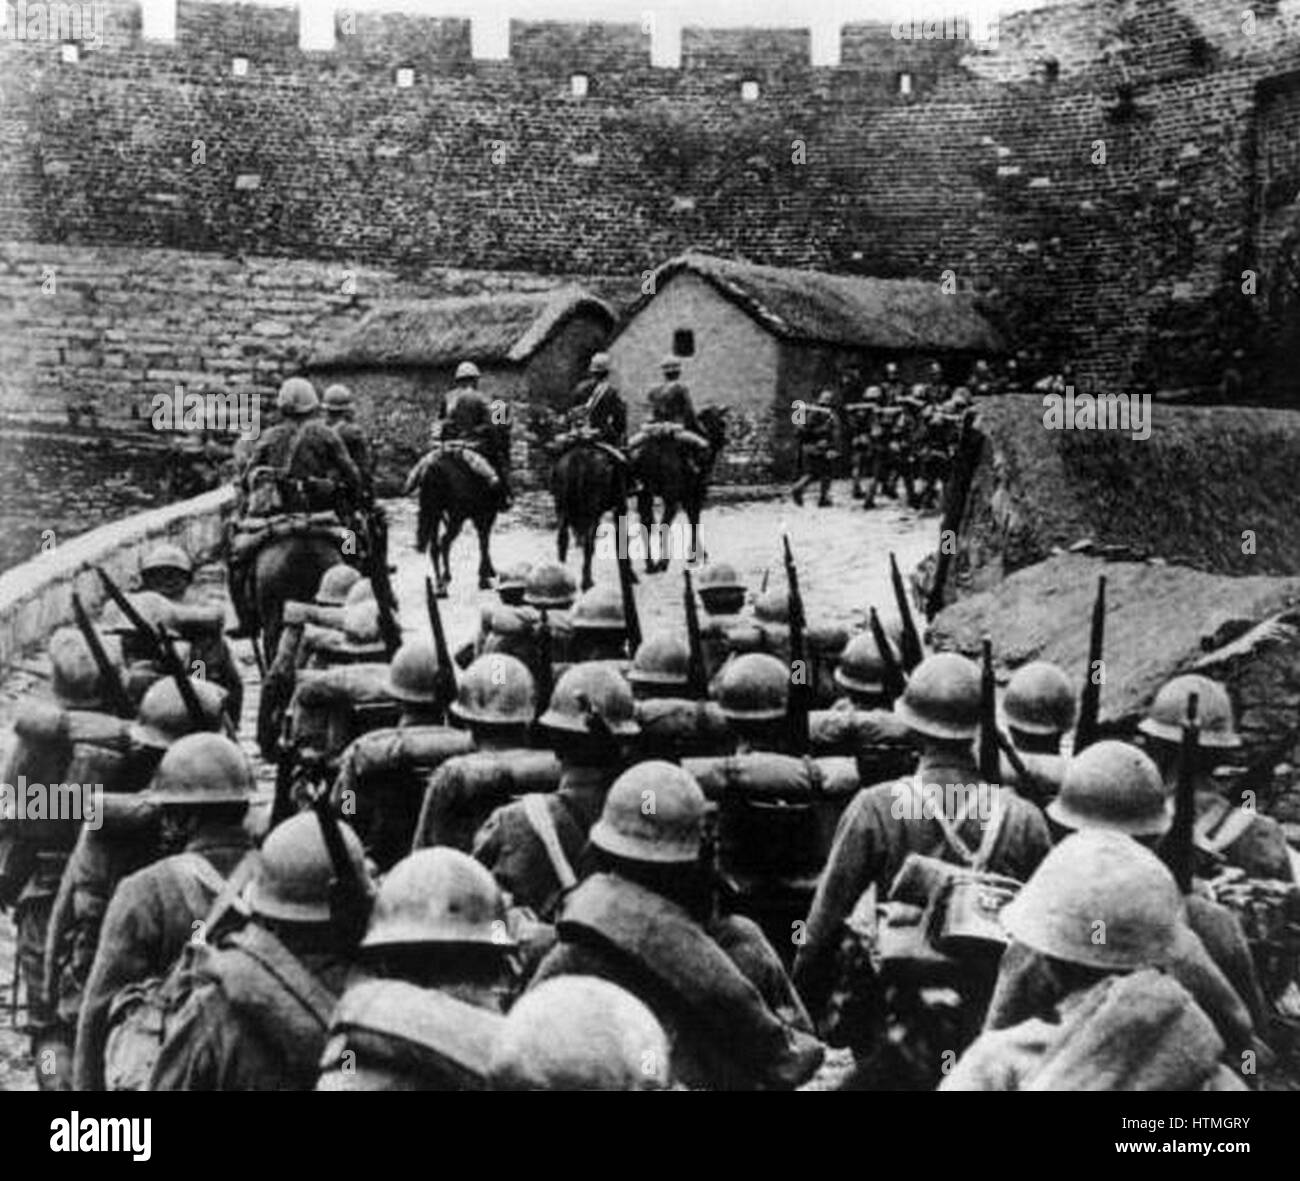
(798, 702)
(1180, 856)
(697, 674)
(446, 676)
(989, 756)
(895, 679)
(762, 588)
(376, 569)
(108, 671)
(350, 900)
(1085, 733)
(545, 673)
(631, 617)
(912, 652)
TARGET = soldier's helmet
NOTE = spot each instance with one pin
(654, 812)
(861, 668)
(599, 363)
(599, 609)
(466, 371)
(773, 606)
(891, 369)
(202, 768)
(1115, 786)
(1168, 712)
(873, 394)
(413, 675)
(663, 659)
(77, 682)
(754, 687)
(496, 690)
(942, 698)
(338, 398)
(721, 590)
(297, 397)
(513, 579)
(549, 585)
(361, 591)
(961, 397)
(360, 625)
(826, 398)
(335, 584)
(438, 895)
(580, 1033)
(671, 364)
(919, 390)
(592, 698)
(295, 873)
(1101, 900)
(152, 607)
(1039, 699)
(164, 717)
(167, 557)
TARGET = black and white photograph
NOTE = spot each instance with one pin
(596, 545)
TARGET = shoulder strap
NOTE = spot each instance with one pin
(295, 444)
(197, 878)
(992, 830)
(543, 825)
(1220, 825)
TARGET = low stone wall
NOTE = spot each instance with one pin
(36, 597)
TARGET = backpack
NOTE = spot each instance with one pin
(139, 1014)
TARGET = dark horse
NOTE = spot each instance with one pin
(660, 468)
(451, 494)
(288, 568)
(587, 484)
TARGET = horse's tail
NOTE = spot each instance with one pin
(431, 499)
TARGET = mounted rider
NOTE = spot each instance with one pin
(469, 425)
(672, 411)
(599, 407)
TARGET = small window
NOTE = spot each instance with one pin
(239, 67)
(71, 53)
(405, 78)
(905, 84)
(749, 90)
(683, 343)
(578, 85)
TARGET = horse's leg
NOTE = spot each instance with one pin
(454, 526)
(588, 548)
(645, 511)
(670, 514)
(696, 554)
(486, 571)
(562, 540)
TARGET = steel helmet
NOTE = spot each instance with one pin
(942, 698)
(589, 698)
(826, 398)
(549, 585)
(361, 592)
(580, 1033)
(961, 396)
(163, 716)
(413, 675)
(1115, 786)
(873, 393)
(335, 584)
(671, 364)
(361, 623)
(861, 668)
(202, 768)
(438, 895)
(891, 368)
(1039, 699)
(297, 397)
(599, 609)
(466, 370)
(599, 363)
(1101, 900)
(295, 873)
(152, 607)
(1168, 712)
(76, 675)
(773, 606)
(662, 659)
(654, 812)
(167, 557)
(338, 397)
(753, 688)
(721, 590)
(496, 690)
(513, 577)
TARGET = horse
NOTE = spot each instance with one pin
(660, 468)
(452, 493)
(288, 568)
(587, 482)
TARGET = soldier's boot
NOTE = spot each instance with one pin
(855, 489)
(824, 500)
(869, 493)
(796, 492)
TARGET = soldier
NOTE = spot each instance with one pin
(599, 628)
(1225, 833)
(642, 921)
(600, 407)
(202, 791)
(508, 622)
(892, 389)
(884, 823)
(1039, 706)
(866, 434)
(670, 401)
(981, 381)
(436, 980)
(673, 723)
(70, 740)
(580, 1033)
(127, 840)
(381, 776)
(467, 416)
(340, 414)
(937, 389)
(819, 438)
(720, 589)
(661, 667)
(532, 845)
(752, 693)
(257, 1017)
(141, 663)
(862, 720)
(1112, 1019)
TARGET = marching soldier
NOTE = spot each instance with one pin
(599, 627)
(937, 389)
(202, 791)
(1040, 707)
(819, 438)
(259, 1012)
(499, 621)
(340, 413)
(435, 982)
(892, 389)
(862, 720)
(1111, 1018)
(642, 921)
(866, 434)
(721, 590)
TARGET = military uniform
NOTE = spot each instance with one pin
(866, 439)
(670, 401)
(1251, 841)
(819, 440)
(600, 408)
(318, 472)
